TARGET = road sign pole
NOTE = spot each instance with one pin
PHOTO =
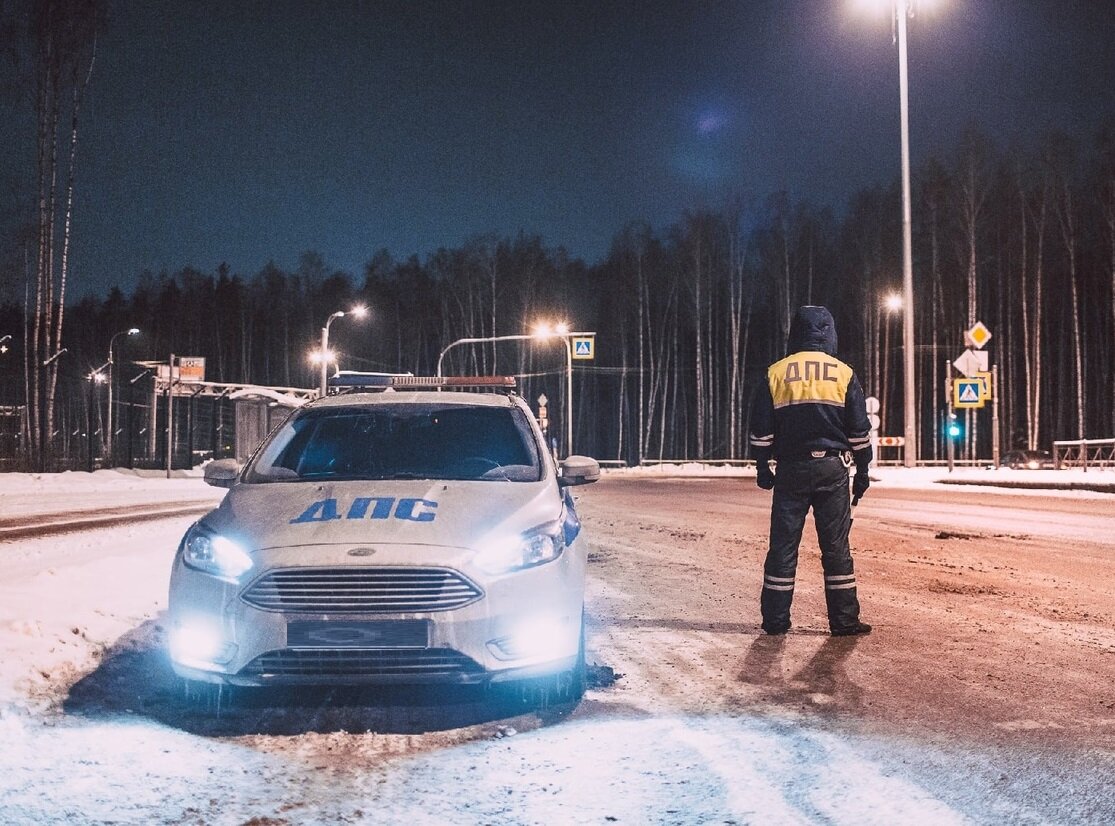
(995, 415)
(948, 415)
(170, 416)
(568, 396)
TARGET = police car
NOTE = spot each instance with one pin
(389, 533)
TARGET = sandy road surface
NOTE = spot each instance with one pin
(985, 695)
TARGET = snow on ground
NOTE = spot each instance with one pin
(26, 494)
(64, 599)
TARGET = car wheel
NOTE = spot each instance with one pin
(570, 686)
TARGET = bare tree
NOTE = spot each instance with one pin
(1061, 156)
(64, 33)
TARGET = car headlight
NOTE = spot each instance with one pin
(500, 555)
(211, 553)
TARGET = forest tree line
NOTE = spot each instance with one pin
(689, 317)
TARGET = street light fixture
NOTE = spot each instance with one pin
(325, 355)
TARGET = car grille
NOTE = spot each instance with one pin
(362, 590)
(361, 664)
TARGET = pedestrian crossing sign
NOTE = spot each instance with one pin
(584, 347)
(968, 393)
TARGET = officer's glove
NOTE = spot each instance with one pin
(765, 478)
(860, 484)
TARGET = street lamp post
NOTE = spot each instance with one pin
(359, 312)
(909, 397)
(480, 340)
(542, 332)
(109, 435)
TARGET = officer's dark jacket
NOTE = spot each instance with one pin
(812, 401)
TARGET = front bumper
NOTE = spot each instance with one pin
(523, 624)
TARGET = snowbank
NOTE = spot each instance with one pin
(25, 494)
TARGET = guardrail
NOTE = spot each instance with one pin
(1084, 453)
(728, 462)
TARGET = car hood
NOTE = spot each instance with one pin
(447, 513)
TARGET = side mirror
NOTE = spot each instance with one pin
(222, 473)
(578, 470)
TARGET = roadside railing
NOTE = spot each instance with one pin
(725, 462)
(1084, 453)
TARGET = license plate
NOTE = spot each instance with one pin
(340, 634)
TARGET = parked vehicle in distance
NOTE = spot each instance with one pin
(1028, 460)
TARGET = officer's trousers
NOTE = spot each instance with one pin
(823, 485)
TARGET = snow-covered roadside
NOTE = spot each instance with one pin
(64, 599)
(27, 494)
(102, 577)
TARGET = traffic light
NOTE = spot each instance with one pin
(953, 427)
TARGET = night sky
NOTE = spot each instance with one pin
(243, 132)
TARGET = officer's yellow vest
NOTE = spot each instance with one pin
(809, 378)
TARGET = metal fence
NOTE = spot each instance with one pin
(1084, 453)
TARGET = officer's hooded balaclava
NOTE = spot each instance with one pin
(814, 330)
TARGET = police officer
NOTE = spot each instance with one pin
(811, 417)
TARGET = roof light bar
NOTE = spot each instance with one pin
(346, 378)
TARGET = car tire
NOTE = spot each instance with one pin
(569, 686)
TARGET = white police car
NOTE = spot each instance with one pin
(376, 537)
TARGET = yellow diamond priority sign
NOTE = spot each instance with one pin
(978, 335)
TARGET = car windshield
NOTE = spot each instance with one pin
(401, 441)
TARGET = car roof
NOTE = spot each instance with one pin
(388, 397)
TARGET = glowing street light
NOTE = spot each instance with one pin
(325, 355)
